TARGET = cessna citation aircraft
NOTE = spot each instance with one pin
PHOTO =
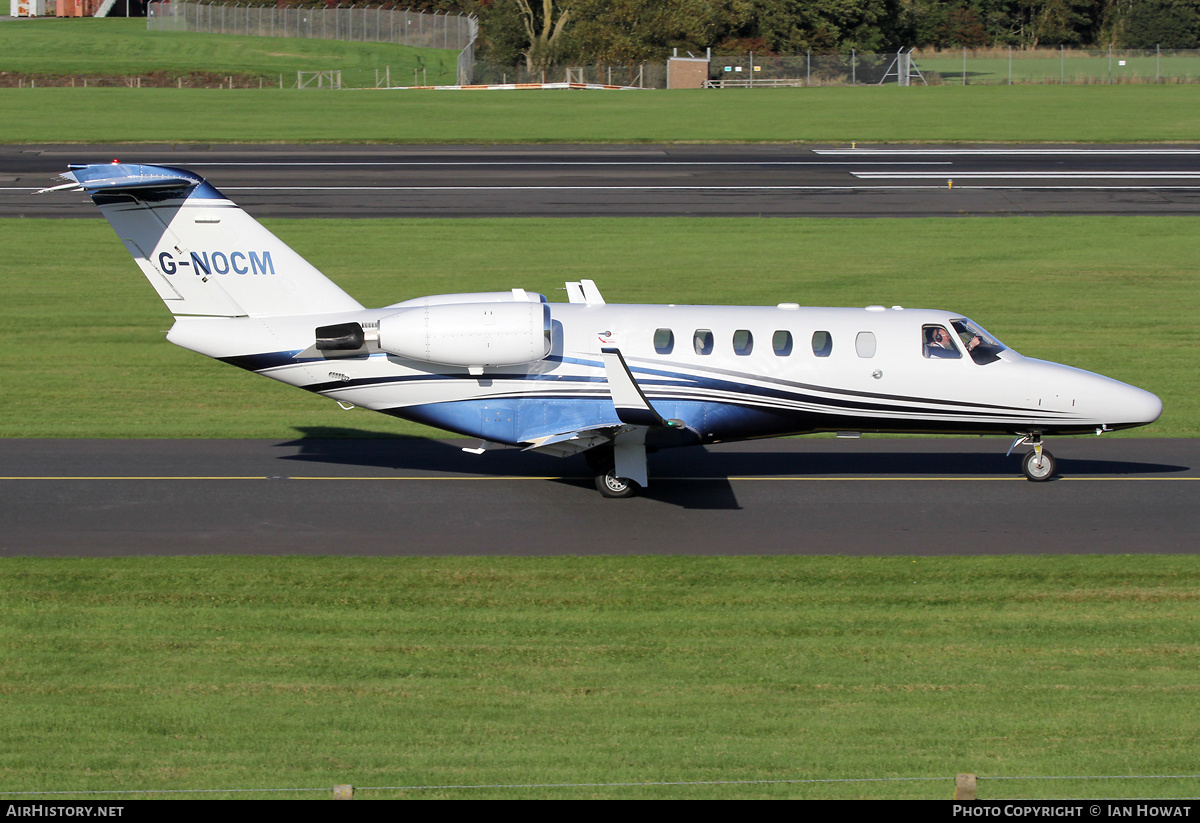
(611, 381)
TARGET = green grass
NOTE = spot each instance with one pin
(101, 46)
(261, 673)
(84, 331)
(830, 115)
(838, 115)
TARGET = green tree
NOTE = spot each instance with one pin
(793, 26)
(1054, 22)
(545, 24)
(941, 24)
(630, 31)
(1170, 23)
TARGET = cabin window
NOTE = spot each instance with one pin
(743, 342)
(781, 343)
(938, 344)
(664, 341)
(864, 344)
(702, 341)
(822, 343)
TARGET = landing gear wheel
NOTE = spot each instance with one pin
(1036, 469)
(612, 486)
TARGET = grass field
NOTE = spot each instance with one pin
(1112, 295)
(832, 115)
(102, 46)
(264, 673)
(1100, 113)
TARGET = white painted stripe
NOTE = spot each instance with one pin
(552, 188)
(333, 164)
(1028, 175)
(1002, 151)
(771, 478)
(850, 187)
(827, 189)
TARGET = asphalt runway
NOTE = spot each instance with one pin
(396, 497)
(415, 497)
(579, 181)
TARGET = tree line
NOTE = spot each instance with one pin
(542, 32)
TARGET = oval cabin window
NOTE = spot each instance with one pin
(864, 344)
(664, 341)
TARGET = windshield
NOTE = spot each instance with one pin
(983, 347)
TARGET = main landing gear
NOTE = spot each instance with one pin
(602, 462)
(1038, 465)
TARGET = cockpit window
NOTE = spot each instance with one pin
(939, 343)
(982, 347)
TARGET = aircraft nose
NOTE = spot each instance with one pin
(1136, 407)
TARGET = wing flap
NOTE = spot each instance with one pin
(564, 444)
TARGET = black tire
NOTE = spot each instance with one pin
(612, 486)
(1039, 471)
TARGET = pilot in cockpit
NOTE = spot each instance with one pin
(939, 344)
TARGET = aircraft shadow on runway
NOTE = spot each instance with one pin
(347, 447)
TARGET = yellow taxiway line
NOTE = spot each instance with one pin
(806, 478)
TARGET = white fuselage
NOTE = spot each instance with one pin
(739, 380)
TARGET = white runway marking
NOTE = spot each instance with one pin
(1029, 175)
(1003, 151)
(497, 477)
(826, 188)
(587, 163)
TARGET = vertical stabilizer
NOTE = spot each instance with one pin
(200, 252)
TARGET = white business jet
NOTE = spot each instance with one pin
(611, 381)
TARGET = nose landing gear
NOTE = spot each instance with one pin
(1038, 465)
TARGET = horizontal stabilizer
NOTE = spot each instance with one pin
(127, 177)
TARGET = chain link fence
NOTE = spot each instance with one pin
(749, 70)
(368, 25)
(958, 67)
(1060, 66)
(648, 75)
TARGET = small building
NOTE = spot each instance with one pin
(687, 72)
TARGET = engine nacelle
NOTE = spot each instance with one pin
(469, 334)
